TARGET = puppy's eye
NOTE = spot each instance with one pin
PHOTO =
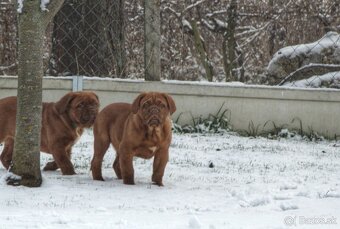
(162, 106)
(80, 106)
(146, 105)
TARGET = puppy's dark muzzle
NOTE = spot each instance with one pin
(154, 122)
(88, 118)
(153, 113)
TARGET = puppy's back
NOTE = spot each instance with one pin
(8, 104)
(8, 109)
(111, 120)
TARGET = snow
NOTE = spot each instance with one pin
(43, 5)
(194, 222)
(11, 176)
(186, 24)
(20, 6)
(254, 183)
(331, 39)
(331, 78)
(233, 84)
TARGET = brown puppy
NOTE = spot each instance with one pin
(141, 129)
(63, 123)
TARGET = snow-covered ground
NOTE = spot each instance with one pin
(250, 183)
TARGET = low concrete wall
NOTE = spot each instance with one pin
(318, 109)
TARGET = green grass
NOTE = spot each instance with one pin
(214, 123)
(220, 123)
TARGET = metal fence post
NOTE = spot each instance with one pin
(77, 83)
(152, 46)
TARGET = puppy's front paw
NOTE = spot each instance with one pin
(157, 180)
(160, 184)
(129, 181)
(99, 178)
(69, 172)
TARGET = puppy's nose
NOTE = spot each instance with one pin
(86, 117)
(154, 110)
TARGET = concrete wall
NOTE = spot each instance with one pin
(318, 109)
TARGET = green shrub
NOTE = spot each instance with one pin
(214, 123)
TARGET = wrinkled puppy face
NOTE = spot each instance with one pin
(82, 107)
(154, 108)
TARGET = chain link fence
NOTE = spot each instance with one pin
(291, 43)
(87, 39)
(8, 38)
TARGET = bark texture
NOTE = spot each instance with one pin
(114, 24)
(152, 31)
(229, 43)
(31, 29)
(200, 48)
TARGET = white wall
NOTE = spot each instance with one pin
(317, 108)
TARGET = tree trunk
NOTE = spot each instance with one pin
(152, 31)
(114, 24)
(199, 45)
(272, 29)
(26, 155)
(229, 43)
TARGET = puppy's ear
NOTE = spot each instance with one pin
(136, 103)
(95, 96)
(63, 104)
(171, 103)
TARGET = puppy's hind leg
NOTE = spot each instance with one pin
(51, 166)
(7, 152)
(101, 144)
(116, 167)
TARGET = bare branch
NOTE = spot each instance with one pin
(216, 13)
(310, 70)
(51, 10)
(2, 68)
(178, 15)
(193, 6)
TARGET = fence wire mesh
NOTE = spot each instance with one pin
(292, 43)
(8, 38)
